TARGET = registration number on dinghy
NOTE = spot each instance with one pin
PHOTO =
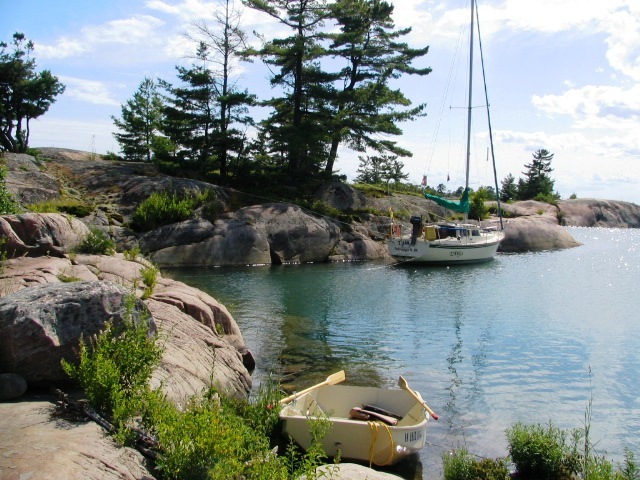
(413, 436)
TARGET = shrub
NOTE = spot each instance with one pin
(8, 204)
(97, 243)
(460, 465)
(150, 279)
(132, 254)
(540, 452)
(62, 205)
(114, 367)
(164, 208)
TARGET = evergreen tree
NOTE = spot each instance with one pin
(24, 94)
(141, 119)
(537, 181)
(190, 112)
(366, 105)
(296, 121)
(509, 190)
(226, 43)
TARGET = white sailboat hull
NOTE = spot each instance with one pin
(451, 250)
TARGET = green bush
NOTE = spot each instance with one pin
(164, 208)
(97, 243)
(114, 367)
(460, 465)
(132, 254)
(8, 204)
(62, 205)
(541, 452)
(149, 276)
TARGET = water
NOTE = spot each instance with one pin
(526, 338)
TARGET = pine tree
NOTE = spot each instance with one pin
(366, 106)
(297, 121)
(226, 43)
(509, 190)
(537, 181)
(24, 94)
(140, 122)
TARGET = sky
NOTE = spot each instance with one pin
(561, 75)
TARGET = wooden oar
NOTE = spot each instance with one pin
(331, 380)
(402, 383)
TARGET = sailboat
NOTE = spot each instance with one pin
(449, 243)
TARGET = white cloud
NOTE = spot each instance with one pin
(90, 91)
(186, 10)
(140, 31)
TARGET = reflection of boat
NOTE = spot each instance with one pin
(450, 242)
(367, 439)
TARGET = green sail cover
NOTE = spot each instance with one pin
(461, 206)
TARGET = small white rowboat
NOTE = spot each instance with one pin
(369, 440)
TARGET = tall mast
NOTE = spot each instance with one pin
(466, 185)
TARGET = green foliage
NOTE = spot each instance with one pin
(140, 122)
(64, 278)
(164, 208)
(477, 209)
(541, 452)
(321, 208)
(62, 205)
(630, 469)
(211, 437)
(460, 465)
(97, 243)
(381, 169)
(24, 94)
(132, 254)
(550, 198)
(8, 204)
(149, 276)
(115, 366)
(509, 189)
(111, 156)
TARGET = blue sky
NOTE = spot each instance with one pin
(562, 75)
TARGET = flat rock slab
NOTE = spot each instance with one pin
(36, 446)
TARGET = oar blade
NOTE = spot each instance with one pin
(336, 378)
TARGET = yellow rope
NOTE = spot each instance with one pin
(373, 426)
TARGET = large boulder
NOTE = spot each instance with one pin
(356, 244)
(589, 212)
(35, 444)
(534, 234)
(270, 233)
(40, 326)
(35, 234)
(203, 343)
(26, 180)
(194, 358)
(198, 243)
(294, 235)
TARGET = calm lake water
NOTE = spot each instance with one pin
(524, 338)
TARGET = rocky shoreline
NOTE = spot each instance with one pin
(246, 230)
(50, 296)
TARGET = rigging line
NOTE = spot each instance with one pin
(486, 96)
(445, 96)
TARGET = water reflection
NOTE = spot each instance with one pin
(487, 345)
